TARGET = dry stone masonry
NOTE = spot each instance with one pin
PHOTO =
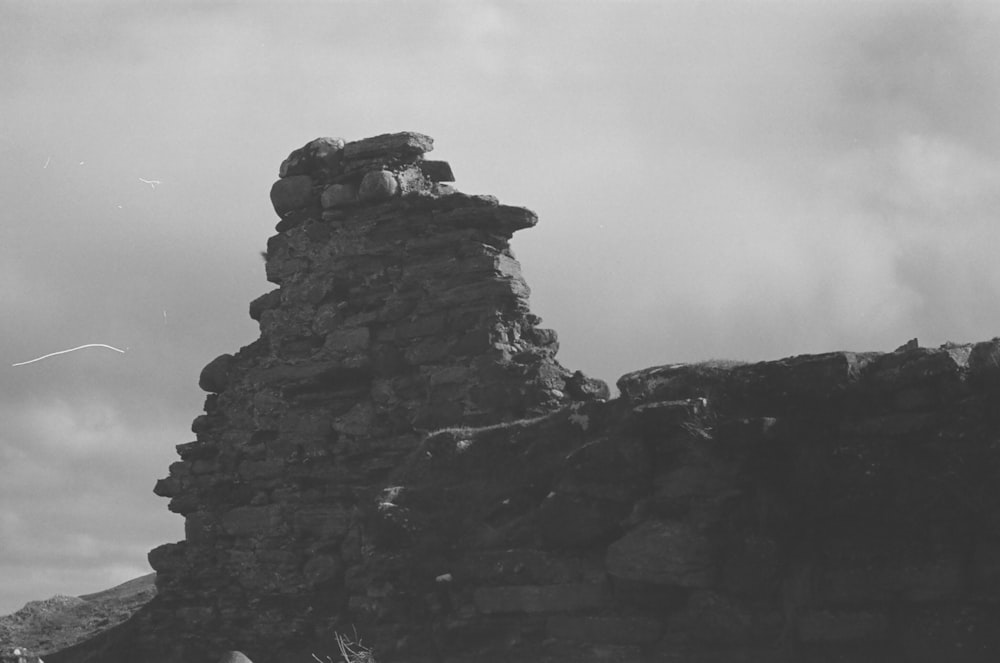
(400, 310)
(837, 507)
(400, 456)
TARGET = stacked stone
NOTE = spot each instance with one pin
(400, 452)
(845, 502)
(400, 310)
(835, 507)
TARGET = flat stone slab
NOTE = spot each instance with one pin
(406, 143)
(437, 171)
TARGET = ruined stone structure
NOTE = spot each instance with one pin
(839, 507)
(400, 454)
(400, 310)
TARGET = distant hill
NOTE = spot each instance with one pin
(61, 621)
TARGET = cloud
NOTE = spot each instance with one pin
(713, 180)
(922, 68)
(912, 152)
(78, 508)
(791, 180)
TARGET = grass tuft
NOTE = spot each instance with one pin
(351, 651)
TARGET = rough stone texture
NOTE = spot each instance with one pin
(292, 193)
(215, 376)
(378, 185)
(609, 630)
(533, 598)
(826, 626)
(437, 171)
(323, 155)
(338, 195)
(403, 144)
(395, 315)
(830, 507)
(662, 553)
(400, 453)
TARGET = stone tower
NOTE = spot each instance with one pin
(400, 310)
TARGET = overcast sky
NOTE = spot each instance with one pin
(739, 180)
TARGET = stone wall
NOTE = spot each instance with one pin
(839, 507)
(399, 453)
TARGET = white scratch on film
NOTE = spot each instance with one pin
(152, 183)
(47, 160)
(62, 352)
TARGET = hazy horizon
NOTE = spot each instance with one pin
(743, 180)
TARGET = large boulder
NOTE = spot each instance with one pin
(292, 193)
(215, 376)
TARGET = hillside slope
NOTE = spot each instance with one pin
(61, 621)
